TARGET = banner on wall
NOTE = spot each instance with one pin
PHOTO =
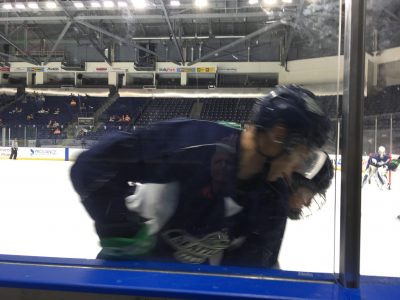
(227, 70)
(35, 69)
(4, 69)
(18, 69)
(206, 70)
(188, 70)
(110, 69)
(53, 69)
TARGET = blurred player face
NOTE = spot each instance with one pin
(301, 198)
(298, 200)
(286, 164)
(221, 166)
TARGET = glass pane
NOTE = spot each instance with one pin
(186, 163)
(380, 205)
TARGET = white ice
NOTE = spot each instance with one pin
(41, 215)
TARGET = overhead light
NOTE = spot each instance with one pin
(122, 4)
(20, 6)
(7, 6)
(253, 1)
(33, 5)
(108, 4)
(78, 4)
(175, 3)
(140, 4)
(270, 2)
(201, 3)
(287, 1)
(51, 5)
(95, 4)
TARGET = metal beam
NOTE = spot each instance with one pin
(171, 31)
(60, 37)
(16, 29)
(353, 111)
(239, 41)
(94, 43)
(116, 37)
(13, 57)
(81, 29)
(28, 57)
(123, 19)
(394, 16)
(291, 30)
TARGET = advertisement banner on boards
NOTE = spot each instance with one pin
(32, 153)
(5, 152)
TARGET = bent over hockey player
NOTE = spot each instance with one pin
(213, 169)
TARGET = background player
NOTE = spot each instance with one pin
(377, 165)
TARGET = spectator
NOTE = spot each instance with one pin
(73, 102)
(127, 118)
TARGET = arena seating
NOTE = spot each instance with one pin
(163, 109)
(144, 111)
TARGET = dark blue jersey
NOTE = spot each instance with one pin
(175, 150)
(202, 157)
(377, 160)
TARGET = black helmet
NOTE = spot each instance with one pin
(295, 108)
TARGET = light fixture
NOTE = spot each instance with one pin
(78, 4)
(51, 5)
(270, 2)
(201, 3)
(139, 4)
(95, 4)
(287, 1)
(20, 6)
(33, 5)
(253, 1)
(108, 4)
(122, 4)
(7, 6)
(175, 3)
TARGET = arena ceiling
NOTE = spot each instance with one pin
(311, 26)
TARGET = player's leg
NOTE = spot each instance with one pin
(365, 177)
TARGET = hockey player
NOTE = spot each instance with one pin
(14, 149)
(258, 229)
(215, 171)
(375, 162)
(157, 203)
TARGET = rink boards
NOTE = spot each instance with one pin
(32, 153)
(70, 154)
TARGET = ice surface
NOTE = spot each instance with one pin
(41, 215)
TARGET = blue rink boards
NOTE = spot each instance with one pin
(182, 281)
